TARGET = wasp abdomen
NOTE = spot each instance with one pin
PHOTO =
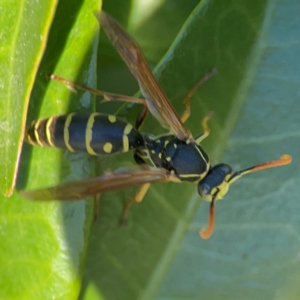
(92, 133)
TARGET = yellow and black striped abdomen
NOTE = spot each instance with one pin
(93, 133)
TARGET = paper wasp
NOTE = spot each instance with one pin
(176, 156)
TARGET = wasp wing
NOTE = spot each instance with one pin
(77, 190)
(157, 101)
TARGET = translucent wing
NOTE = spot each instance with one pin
(157, 101)
(77, 190)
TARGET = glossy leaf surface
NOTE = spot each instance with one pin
(20, 55)
(40, 257)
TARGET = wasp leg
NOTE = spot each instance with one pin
(186, 100)
(140, 161)
(206, 130)
(107, 96)
(187, 111)
(137, 198)
(141, 117)
(96, 207)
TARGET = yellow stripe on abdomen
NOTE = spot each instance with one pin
(89, 134)
(66, 132)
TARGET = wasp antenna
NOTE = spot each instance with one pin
(285, 159)
(207, 231)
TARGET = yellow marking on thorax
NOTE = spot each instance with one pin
(206, 161)
(189, 175)
(48, 132)
(66, 132)
(107, 147)
(126, 131)
(173, 177)
(89, 134)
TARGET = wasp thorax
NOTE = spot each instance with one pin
(188, 161)
(215, 184)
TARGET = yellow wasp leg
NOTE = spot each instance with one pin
(137, 198)
(186, 101)
(205, 128)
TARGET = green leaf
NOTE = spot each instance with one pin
(254, 253)
(40, 257)
(20, 55)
